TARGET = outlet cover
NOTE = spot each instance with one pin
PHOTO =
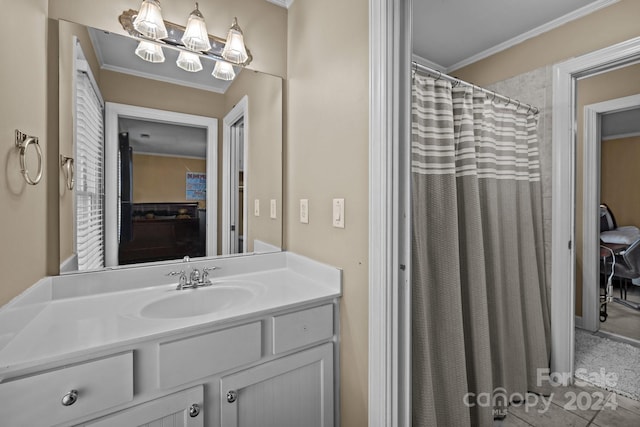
(256, 207)
(274, 212)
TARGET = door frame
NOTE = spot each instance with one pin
(591, 201)
(112, 112)
(240, 110)
(389, 379)
(563, 285)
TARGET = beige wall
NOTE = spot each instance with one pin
(327, 157)
(264, 24)
(605, 27)
(603, 87)
(263, 164)
(620, 176)
(23, 208)
(162, 178)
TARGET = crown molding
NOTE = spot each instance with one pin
(576, 14)
(282, 3)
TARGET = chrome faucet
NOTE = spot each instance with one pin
(194, 279)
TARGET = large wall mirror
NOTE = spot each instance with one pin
(191, 165)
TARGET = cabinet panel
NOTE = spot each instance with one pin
(37, 400)
(197, 357)
(302, 328)
(293, 391)
(167, 411)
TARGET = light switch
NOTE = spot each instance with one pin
(256, 207)
(338, 213)
(273, 209)
(304, 211)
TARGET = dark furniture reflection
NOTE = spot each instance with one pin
(163, 231)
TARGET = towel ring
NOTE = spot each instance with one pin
(68, 169)
(22, 143)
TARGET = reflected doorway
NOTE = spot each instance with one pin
(235, 179)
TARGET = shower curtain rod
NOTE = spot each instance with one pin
(440, 75)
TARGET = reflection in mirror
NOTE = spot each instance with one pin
(242, 169)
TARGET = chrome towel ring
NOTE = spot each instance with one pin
(67, 165)
(22, 143)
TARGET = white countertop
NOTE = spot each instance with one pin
(51, 331)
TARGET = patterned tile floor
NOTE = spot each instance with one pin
(576, 406)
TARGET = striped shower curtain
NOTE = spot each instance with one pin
(480, 321)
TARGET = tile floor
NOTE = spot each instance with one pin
(577, 407)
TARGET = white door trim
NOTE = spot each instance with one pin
(112, 112)
(389, 128)
(563, 284)
(591, 200)
(241, 109)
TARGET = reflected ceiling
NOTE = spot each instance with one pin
(117, 53)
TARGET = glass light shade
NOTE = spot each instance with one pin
(189, 62)
(234, 50)
(223, 71)
(149, 20)
(150, 52)
(195, 36)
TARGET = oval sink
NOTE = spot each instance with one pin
(197, 302)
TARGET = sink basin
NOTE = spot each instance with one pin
(220, 296)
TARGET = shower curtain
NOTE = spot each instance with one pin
(480, 321)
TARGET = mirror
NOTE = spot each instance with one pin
(192, 165)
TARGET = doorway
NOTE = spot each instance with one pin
(235, 178)
(610, 128)
(563, 277)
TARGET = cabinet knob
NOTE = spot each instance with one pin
(70, 398)
(194, 410)
(232, 396)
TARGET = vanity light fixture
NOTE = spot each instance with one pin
(195, 36)
(192, 42)
(149, 21)
(189, 62)
(234, 50)
(223, 71)
(150, 52)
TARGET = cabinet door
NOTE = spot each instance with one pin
(167, 411)
(292, 391)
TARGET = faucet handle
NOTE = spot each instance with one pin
(205, 273)
(182, 281)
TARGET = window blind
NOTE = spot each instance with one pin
(89, 174)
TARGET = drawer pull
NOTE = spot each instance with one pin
(194, 410)
(70, 398)
(232, 396)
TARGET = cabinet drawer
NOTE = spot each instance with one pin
(189, 359)
(302, 327)
(37, 400)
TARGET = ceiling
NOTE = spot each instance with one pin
(166, 139)
(117, 53)
(450, 34)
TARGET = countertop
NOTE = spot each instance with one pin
(52, 331)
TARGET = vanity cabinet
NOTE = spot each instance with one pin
(182, 409)
(295, 390)
(270, 369)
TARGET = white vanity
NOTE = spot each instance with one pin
(124, 347)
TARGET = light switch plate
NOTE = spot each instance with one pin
(338, 213)
(273, 212)
(256, 207)
(304, 211)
